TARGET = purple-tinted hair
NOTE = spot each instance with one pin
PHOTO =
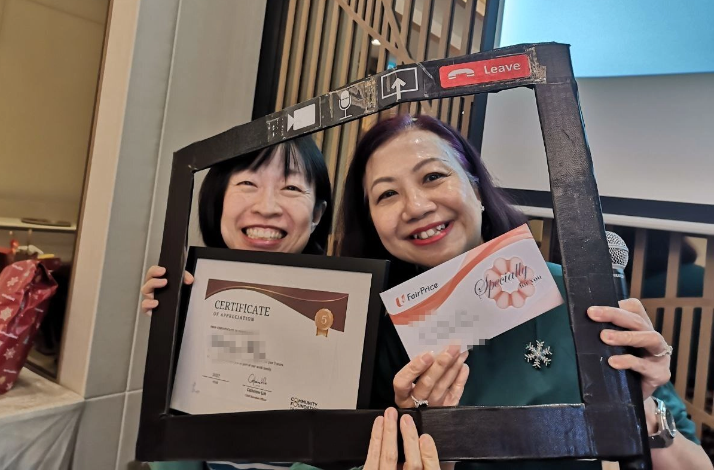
(357, 235)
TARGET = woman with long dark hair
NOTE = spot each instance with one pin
(418, 193)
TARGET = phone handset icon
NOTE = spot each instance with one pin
(463, 71)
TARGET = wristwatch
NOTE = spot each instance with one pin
(667, 428)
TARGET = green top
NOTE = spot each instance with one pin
(500, 376)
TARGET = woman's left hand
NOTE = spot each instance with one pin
(653, 366)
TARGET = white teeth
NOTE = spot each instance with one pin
(260, 233)
(429, 233)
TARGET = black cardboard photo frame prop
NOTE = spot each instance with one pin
(610, 422)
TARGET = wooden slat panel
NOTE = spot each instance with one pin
(406, 25)
(423, 45)
(668, 325)
(280, 99)
(447, 28)
(683, 349)
(364, 50)
(314, 52)
(467, 27)
(466, 117)
(455, 112)
(709, 270)
(400, 55)
(396, 38)
(693, 302)
(298, 57)
(675, 246)
(638, 264)
(703, 359)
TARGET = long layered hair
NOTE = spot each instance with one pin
(299, 153)
(357, 234)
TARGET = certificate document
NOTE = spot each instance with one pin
(271, 337)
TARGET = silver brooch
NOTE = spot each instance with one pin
(538, 355)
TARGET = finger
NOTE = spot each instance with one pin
(375, 445)
(457, 388)
(412, 454)
(429, 454)
(620, 317)
(147, 305)
(447, 380)
(635, 306)
(428, 380)
(155, 271)
(652, 341)
(654, 372)
(187, 278)
(151, 285)
(404, 380)
(388, 454)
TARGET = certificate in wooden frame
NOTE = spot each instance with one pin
(610, 422)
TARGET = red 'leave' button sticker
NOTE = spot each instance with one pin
(484, 71)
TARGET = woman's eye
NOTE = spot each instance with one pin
(433, 177)
(245, 183)
(292, 187)
(386, 194)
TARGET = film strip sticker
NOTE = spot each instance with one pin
(413, 82)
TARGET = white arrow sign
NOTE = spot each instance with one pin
(398, 84)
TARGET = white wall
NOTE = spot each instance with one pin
(193, 74)
(650, 137)
(49, 68)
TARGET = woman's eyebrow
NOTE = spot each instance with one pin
(383, 179)
(426, 162)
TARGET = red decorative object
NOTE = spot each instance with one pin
(25, 289)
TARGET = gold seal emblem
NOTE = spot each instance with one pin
(323, 321)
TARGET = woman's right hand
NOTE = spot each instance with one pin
(419, 451)
(154, 280)
(440, 379)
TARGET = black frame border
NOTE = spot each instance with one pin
(609, 424)
(377, 268)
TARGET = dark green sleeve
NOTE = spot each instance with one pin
(176, 465)
(676, 406)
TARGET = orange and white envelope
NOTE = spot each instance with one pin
(474, 297)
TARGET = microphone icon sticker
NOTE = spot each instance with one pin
(345, 103)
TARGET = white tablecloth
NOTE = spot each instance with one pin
(38, 424)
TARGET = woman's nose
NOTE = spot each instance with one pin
(417, 205)
(267, 204)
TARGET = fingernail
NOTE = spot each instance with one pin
(408, 420)
(608, 336)
(464, 355)
(594, 312)
(428, 357)
(613, 362)
(453, 350)
(390, 413)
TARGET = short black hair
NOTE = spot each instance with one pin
(297, 153)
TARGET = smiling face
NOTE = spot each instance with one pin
(423, 205)
(263, 210)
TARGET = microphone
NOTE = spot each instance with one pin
(620, 255)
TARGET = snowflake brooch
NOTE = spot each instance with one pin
(538, 355)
